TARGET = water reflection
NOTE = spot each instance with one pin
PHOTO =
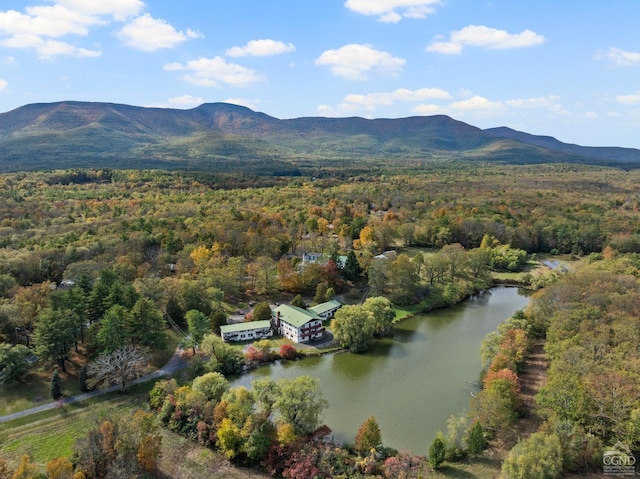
(411, 382)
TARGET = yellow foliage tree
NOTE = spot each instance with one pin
(26, 469)
(60, 468)
(200, 254)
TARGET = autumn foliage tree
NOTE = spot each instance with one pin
(368, 436)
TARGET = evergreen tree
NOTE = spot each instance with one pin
(437, 451)
(217, 318)
(55, 389)
(83, 379)
(352, 270)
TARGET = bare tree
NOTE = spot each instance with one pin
(119, 367)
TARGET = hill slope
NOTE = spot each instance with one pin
(224, 137)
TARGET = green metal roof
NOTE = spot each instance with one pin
(242, 327)
(296, 316)
(324, 307)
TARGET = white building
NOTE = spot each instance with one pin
(326, 310)
(297, 324)
(246, 331)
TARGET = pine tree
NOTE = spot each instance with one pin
(83, 379)
(55, 389)
(437, 451)
(352, 270)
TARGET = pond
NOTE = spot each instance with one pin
(411, 382)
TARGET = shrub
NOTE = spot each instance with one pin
(288, 351)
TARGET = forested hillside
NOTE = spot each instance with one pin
(227, 138)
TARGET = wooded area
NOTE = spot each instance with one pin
(91, 259)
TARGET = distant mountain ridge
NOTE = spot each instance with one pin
(226, 137)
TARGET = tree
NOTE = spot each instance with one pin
(13, 362)
(437, 451)
(118, 367)
(198, 326)
(113, 329)
(538, 457)
(26, 469)
(476, 442)
(403, 280)
(298, 302)
(54, 335)
(479, 260)
(321, 293)
(382, 314)
(229, 438)
(378, 274)
(212, 385)
(288, 351)
(368, 436)
(217, 318)
(300, 403)
(262, 311)
(146, 325)
(60, 468)
(352, 269)
(352, 328)
(55, 388)
(266, 392)
(456, 258)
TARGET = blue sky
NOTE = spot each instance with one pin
(569, 68)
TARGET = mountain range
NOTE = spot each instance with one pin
(222, 137)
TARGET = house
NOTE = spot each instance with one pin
(246, 331)
(322, 259)
(297, 324)
(326, 310)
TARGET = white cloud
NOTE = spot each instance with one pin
(118, 9)
(373, 100)
(3, 84)
(47, 21)
(429, 109)
(39, 24)
(261, 48)
(48, 48)
(148, 34)
(213, 71)
(629, 99)
(478, 103)
(355, 61)
(185, 101)
(392, 11)
(485, 37)
(619, 58)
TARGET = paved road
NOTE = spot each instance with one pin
(173, 365)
